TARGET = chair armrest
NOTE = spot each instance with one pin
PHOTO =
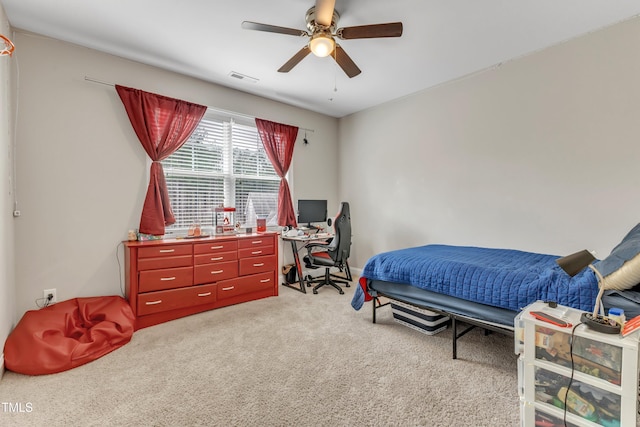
(317, 245)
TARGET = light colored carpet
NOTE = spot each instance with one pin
(292, 360)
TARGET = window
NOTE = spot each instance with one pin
(223, 164)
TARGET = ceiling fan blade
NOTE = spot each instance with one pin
(295, 59)
(345, 62)
(248, 25)
(391, 29)
(324, 12)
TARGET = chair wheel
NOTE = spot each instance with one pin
(347, 285)
(341, 292)
(315, 292)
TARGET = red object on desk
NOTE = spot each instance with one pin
(545, 317)
(631, 325)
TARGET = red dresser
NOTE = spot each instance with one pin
(168, 279)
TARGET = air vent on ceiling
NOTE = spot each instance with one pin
(244, 77)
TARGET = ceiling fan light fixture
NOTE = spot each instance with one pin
(322, 30)
(322, 45)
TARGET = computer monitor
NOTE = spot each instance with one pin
(312, 211)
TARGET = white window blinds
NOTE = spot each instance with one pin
(223, 164)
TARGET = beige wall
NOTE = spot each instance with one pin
(82, 173)
(7, 270)
(540, 154)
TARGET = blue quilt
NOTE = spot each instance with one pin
(505, 278)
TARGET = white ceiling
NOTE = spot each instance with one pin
(442, 40)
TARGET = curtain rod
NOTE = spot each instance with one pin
(246, 116)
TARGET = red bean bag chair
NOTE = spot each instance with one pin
(68, 334)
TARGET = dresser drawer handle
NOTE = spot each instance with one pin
(218, 258)
(217, 247)
(206, 294)
(163, 279)
(260, 264)
(256, 252)
(165, 251)
(217, 271)
(265, 280)
(153, 302)
(256, 242)
(229, 288)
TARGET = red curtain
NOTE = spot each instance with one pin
(278, 141)
(162, 124)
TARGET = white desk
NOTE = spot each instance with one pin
(309, 237)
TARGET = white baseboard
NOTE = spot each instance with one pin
(355, 271)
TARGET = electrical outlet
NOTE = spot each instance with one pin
(52, 292)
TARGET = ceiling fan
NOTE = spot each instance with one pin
(322, 20)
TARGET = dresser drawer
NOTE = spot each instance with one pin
(256, 251)
(257, 264)
(208, 273)
(255, 241)
(164, 250)
(245, 285)
(164, 262)
(213, 246)
(155, 302)
(215, 257)
(168, 278)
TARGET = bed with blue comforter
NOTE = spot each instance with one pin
(503, 278)
(483, 287)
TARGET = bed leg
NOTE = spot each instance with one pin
(454, 326)
(373, 303)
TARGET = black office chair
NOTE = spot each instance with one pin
(332, 254)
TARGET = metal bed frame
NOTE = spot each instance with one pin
(471, 323)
